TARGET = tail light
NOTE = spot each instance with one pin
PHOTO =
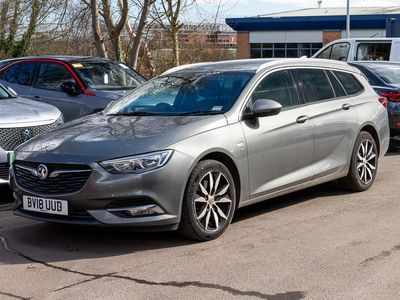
(391, 95)
(383, 101)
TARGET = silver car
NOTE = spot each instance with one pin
(20, 120)
(188, 148)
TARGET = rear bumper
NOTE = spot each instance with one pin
(394, 118)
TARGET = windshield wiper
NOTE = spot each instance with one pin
(200, 112)
(135, 113)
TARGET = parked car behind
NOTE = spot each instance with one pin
(77, 85)
(187, 148)
(385, 79)
(20, 120)
(361, 49)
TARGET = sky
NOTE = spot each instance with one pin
(207, 9)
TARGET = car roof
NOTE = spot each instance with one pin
(257, 65)
(367, 63)
(64, 58)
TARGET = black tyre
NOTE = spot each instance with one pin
(363, 165)
(209, 201)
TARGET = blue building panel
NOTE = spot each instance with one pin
(309, 23)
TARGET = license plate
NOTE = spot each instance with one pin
(50, 206)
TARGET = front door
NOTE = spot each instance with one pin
(280, 148)
(46, 88)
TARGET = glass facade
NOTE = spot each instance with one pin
(272, 50)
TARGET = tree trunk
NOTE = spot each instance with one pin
(27, 37)
(4, 7)
(114, 31)
(137, 41)
(14, 21)
(98, 41)
(175, 47)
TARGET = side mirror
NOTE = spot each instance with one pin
(12, 92)
(70, 88)
(265, 108)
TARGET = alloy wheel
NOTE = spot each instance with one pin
(213, 203)
(366, 161)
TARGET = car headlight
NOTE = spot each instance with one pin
(60, 120)
(137, 164)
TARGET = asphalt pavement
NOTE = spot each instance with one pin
(321, 243)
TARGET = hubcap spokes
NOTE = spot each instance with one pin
(366, 161)
(213, 203)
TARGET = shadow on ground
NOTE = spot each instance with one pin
(47, 242)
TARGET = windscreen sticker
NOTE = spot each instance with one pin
(216, 108)
(77, 65)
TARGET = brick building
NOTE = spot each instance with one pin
(303, 32)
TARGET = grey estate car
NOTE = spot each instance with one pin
(189, 147)
(20, 120)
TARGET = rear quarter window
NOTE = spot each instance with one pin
(349, 82)
(373, 51)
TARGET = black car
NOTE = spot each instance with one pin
(384, 77)
(76, 85)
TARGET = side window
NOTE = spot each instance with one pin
(19, 73)
(326, 53)
(339, 91)
(52, 75)
(373, 51)
(340, 51)
(349, 82)
(315, 84)
(278, 86)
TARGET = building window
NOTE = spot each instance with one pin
(273, 50)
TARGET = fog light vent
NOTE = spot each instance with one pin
(138, 211)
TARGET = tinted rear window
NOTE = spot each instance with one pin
(19, 73)
(388, 73)
(349, 82)
(316, 84)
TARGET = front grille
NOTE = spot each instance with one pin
(10, 138)
(71, 180)
(4, 171)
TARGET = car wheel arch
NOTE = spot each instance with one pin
(372, 131)
(228, 162)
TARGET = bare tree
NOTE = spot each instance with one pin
(168, 17)
(115, 30)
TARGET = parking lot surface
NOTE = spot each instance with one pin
(321, 243)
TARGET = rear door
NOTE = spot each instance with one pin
(334, 118)
(18, 76)
(46, 88)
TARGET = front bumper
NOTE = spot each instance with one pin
(105, 197)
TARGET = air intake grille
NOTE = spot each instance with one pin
(4, 171)
(10, 138)
(70, 178)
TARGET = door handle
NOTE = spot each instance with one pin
(302, 119)
(346, 106)
(37, 97)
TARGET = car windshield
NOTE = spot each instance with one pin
(388, 73)
(3, 93)
(184, 94)
(107, 75)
